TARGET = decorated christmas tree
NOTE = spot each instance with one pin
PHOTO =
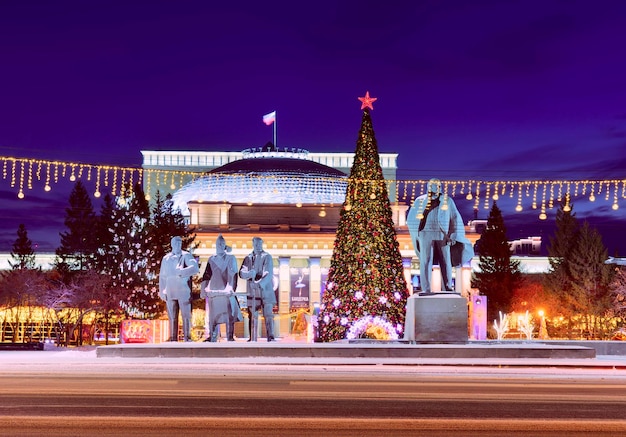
(366, 292)
(133, 266)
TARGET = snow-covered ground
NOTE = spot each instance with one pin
(80, 360)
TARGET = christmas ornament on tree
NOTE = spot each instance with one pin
(366, 284)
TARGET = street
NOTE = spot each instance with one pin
(191, 397)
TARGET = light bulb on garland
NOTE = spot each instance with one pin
(348, 207)
(518, 208)
(96, 194)
(543, 216)
(20, 195)
(42, 170)
(567, 207)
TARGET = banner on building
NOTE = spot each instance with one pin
(300, 286)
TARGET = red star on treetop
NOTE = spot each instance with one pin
(366, 102)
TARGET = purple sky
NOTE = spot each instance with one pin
(526, 89)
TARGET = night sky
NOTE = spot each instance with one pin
(529, 89)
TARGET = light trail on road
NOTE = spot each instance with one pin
(28, 426)
(287, 401)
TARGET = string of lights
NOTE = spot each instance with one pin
(22, 173)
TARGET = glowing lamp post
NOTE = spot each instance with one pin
(543, 329)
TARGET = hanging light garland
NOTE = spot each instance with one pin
(23, 173)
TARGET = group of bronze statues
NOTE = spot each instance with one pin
(219, 282)
(436, 229)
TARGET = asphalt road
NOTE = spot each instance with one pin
(193, 399)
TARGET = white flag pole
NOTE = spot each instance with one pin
(275, 123)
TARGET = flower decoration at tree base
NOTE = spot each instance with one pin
(375, 328)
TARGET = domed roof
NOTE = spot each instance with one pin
(266, 175)
(273, 165)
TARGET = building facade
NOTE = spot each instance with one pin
(289, 197)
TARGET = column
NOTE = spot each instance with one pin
(281, 323)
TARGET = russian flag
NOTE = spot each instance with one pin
(270, 118)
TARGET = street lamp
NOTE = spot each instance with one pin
(543, 329)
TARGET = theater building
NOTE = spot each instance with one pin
(289, 197)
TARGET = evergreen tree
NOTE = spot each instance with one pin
(499, 274)
(578, 277)
(167, 223)
(618, 288)
(590, 293)
(559, 281)
(132, 257)
(366, 276)
(22, 252)
(104, 234)
(78, 243)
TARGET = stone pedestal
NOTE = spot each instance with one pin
(436, 318)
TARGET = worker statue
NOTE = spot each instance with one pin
(177, 268)
(218, 286)
(438, 234)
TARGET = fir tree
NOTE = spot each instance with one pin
(499, 275)
(590, 293)
(22, 252)
(618, 294)
(578, 277)
(104, 233)
(167, 223)
(78, 243)
(108, 293)
(132, 258)
(559, 281)
(366, 276)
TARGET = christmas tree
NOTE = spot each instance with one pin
(366, 292)
(132, 264)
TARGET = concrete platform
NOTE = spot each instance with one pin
(345, 349)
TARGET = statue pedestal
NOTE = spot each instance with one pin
(436, 318)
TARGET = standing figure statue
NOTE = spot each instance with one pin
(177, 268)
(219, 283)
(258, 270)
(437, 232)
